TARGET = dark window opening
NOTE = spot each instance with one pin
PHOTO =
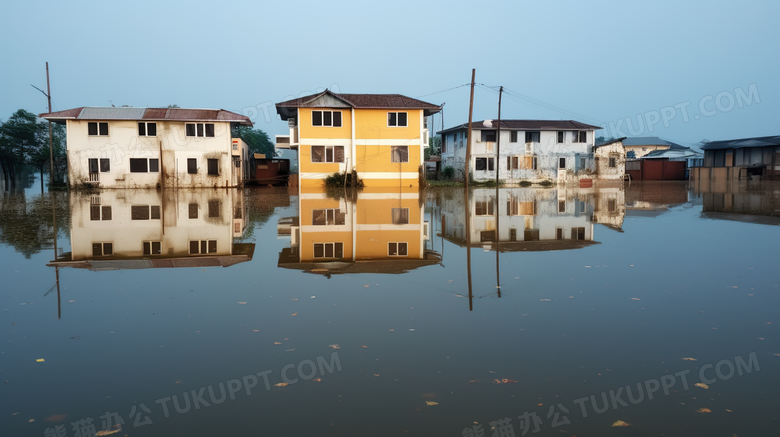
(93, 165)
(154, 165)
(513, 136)
(138, 165)
(192, 166)
(105, 165)
(190, 129)
(214, 208)
(139, 212)
(193, 210)
(213, 167)
(532, 137)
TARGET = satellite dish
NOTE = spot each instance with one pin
(487, 123)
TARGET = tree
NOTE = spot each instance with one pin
(257, 140)
(434, 147)
(20, 137)
(173, 106)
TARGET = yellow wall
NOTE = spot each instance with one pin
(373, 244)
(306, 130)
(378, 158)
(371, 124)
(380, 211)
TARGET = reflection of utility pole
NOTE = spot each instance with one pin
(467, 209)
(498, 172)
(51, 147)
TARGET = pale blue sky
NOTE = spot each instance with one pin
(604, 61)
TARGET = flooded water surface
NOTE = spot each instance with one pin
(649, 309)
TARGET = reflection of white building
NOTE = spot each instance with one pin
(131, 229)
(530, 219)
(153, 147)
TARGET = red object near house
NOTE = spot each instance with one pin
(656, 170)
(586, 183)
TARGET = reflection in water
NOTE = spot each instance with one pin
(531, 219)
(140, 229)
(745, 201)
(380, 232)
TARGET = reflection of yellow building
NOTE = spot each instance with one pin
(381, 136)
(136, 229)
(380, 232)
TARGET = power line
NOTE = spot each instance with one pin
(448, 89)
(530, 100)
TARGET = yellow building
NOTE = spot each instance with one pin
(382, 136)
(379, 232)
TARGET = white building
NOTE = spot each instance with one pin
(137, 229)
(153, 147)
(532, 150)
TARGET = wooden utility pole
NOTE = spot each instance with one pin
(51, 147)
(498, 172)
(468, 135)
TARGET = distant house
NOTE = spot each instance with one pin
(381, 136)
(637, 147)
(756, 158)
(611, 160)
(534, 150)
(153, 147)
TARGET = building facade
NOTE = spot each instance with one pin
(611, 160)
(560, 151)
(381, 136)
(746, 158)
(153, 147)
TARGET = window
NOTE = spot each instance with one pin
(397, 249)
(444, 144)
(577, 233)
(534, 163)
(560, 136)
(213, 167)
(97, 212)
(99, 165)
(139, 165)
(102, 249)
(396, 119)
(399, 153)
(192, 165)
(203, 247)
(152, 247)
(512, 234)
(612, 205)
(144, 165)
(532, 137)
(580, 136)
(97, 129)
(612, 162)
(326, 118)
(199, 129)
(325, 217)
(483, 207)
(561, 206)
(488, 136)
(484, 164)
(146, 129)
(329, 250)
(531, 235)
(145, 212)
(214, 208)
(400, 216)
(582, 163)
(193, 210)
(559, 233)
(561, 163)
(513, 136)
(327, 153)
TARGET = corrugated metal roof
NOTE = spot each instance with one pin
(126, 113)
(524, 125)
(111, 114)
(743, 142)
(651, 141)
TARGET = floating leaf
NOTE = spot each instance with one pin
(294, 314)
(334, 346)
(621, 423)
(431, 403)
(376, 374)
(276, 343)
(508, 381)
(317, 379)
(688, 359)
(704, 410)
(364, 346)
(39, 360)
(702, 385)
(113, 431)
(635, 298)
(281, 384)
(290, 350)
(242, 303)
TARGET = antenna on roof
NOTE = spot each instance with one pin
(112, 104)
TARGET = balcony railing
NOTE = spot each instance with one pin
(94, 177)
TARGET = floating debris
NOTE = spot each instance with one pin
(702, 385)
(281, 384)
(621, 423)
(334, 346)
(431, 403)
(704, 410)
(688, 359)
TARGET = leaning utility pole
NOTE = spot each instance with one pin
(498, 135)
(498, 192)
(51, 147)
(468, 135)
